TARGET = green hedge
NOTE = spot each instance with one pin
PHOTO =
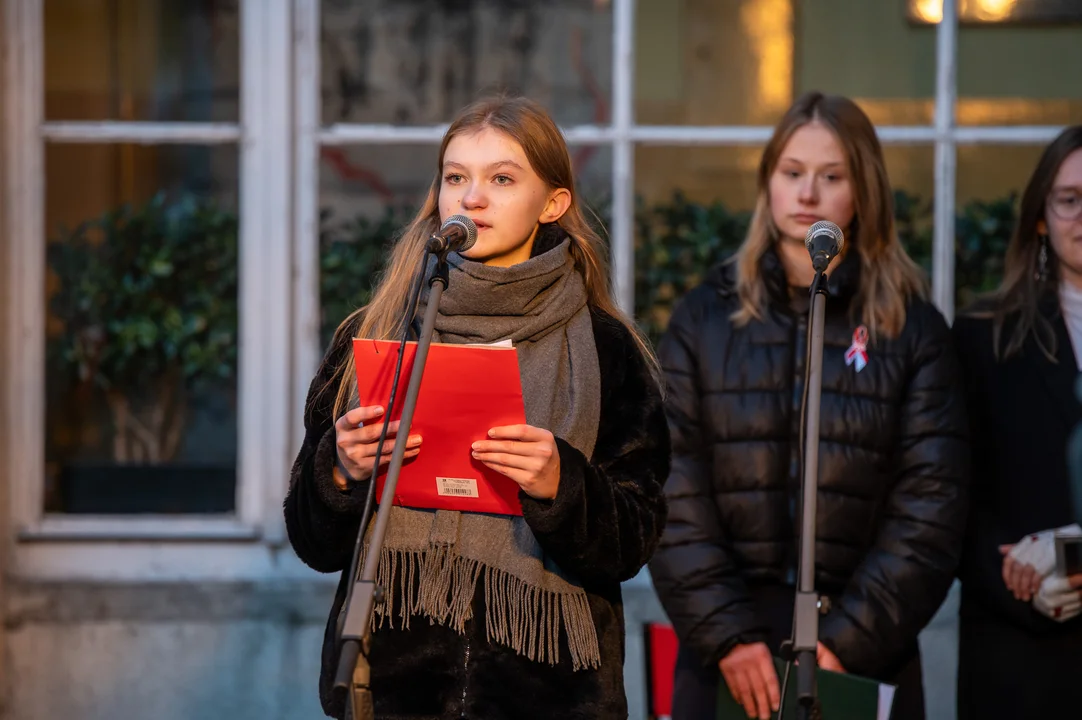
(153, 287)
(145, 300)
(675, 243)
(148, 291)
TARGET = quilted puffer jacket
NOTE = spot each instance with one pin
(893, 470)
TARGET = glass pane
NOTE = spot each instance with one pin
(414, 62)
(869, 52)
(996, 88)
(692, 209)
(168, 60)
(702, 62)
(993, 12)
(990, 182)
(141, 293)
(368, 193)
(912, 174)
(694, 205)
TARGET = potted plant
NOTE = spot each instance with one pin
(145, 316)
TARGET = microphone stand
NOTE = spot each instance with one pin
(806, 608)
(354, 672)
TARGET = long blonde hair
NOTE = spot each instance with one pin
(1023, 287)
(528, 124)
(888, 276)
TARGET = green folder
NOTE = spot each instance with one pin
(841, 697)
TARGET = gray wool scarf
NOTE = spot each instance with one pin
(432, 560)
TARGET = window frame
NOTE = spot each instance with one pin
(66, 546)
(623, 135)
(279, 136)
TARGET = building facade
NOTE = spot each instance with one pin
(194, 193)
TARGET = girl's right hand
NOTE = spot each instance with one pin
(749, 672)
(356, 437)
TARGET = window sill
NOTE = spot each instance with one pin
(193, 528)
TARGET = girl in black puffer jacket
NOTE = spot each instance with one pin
(893, 450)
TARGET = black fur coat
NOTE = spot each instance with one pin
(603, 526)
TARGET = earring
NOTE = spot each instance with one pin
(1041, 275)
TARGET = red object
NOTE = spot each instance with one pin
(662, 644)
(465, 391)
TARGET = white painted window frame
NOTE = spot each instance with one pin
(279, 137)
(248, 543)
(623, 135)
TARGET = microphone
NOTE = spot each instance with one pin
(824, 241)
(457, 234)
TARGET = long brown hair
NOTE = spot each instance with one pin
(1021, 290)
(528, 124)
(888, 276)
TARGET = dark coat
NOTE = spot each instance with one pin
(1013, 661)
(893, 470)
(603, 526)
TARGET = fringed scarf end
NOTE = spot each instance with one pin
(441, 586)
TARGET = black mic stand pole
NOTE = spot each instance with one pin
(354, 671)
(807, 604)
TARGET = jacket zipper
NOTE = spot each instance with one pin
(800, 359)
(465, 677)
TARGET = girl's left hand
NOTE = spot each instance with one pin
(827, 659)
(526, 454)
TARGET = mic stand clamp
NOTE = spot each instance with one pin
(808, 605)
(354, 672)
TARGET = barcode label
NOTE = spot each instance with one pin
(456, 487)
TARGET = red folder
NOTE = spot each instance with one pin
(465, 390)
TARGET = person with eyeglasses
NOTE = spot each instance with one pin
(1020, 636)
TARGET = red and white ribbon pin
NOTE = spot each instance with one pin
(858, 351)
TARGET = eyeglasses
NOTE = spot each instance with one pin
(1066, 205)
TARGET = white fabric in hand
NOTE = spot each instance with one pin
(1057, 599)
(1038, 550)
